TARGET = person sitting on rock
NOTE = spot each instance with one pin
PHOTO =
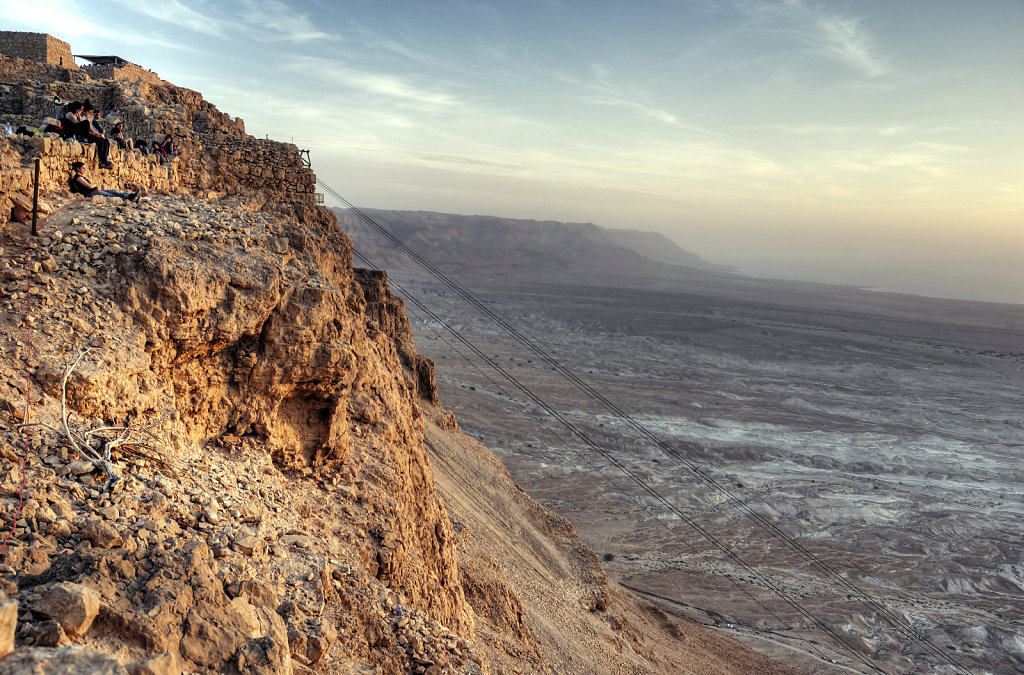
(94, 122)
(82, 185)
(94, 134)
(73, 123)
(117, 133)
(164, 151)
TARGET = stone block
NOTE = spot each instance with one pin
(102, 534)
(49, 634)
(73, 606)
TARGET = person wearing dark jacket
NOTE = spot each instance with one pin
(94, 134)
(165, 150)
(73, 123)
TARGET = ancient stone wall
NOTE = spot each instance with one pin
(28, 88)
(15, 181)
(38, 47)
(58, 53)
(242, 165)
(124, 71)
(17, 166)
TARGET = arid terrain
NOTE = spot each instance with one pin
(846, 463)
(220, 451)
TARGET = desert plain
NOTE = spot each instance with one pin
(837, 480)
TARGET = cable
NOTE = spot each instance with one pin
(657, 496)
(896, 622)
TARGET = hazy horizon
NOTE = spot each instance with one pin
(868, 143)
(891, 279)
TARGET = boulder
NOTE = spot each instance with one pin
(266, 655)
(258, 593)
(206, 643)
(73, 606)
(49, 634)
(21, 206)
(102, 534)
(321, 638)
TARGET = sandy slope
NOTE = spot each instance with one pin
(515, 552)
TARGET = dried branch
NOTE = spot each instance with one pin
(75, 442)
(97, 445)
(82, 444)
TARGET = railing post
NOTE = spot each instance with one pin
(35, 201)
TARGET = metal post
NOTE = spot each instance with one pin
(35, 202)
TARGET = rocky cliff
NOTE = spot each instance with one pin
(221, 451)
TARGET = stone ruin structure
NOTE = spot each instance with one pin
(116, 68)
(217, 158)
(37, 47)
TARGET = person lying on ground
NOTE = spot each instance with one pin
(78, 182)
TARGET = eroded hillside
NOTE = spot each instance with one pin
(234, 458)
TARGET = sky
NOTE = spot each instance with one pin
(876, 143)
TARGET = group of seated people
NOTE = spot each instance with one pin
(82, 122)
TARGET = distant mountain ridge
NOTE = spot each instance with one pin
(477, 241)
(657, 246)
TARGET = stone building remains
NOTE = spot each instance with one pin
(36, 47)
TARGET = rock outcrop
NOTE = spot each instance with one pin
(222, 427)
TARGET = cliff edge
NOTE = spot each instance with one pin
(222, 453)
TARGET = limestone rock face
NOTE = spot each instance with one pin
(279, 346)
(245, 334)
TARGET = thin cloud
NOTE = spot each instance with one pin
(60, 18)
(435, 110)
(374, 83)
(600, 91)
(278, 22)
(464, 160)
(617, 101)
(832, 131)
(402, 46)
(844, 40)
(259, 20)
(177, 14)
(838, 38)
(937, 159)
